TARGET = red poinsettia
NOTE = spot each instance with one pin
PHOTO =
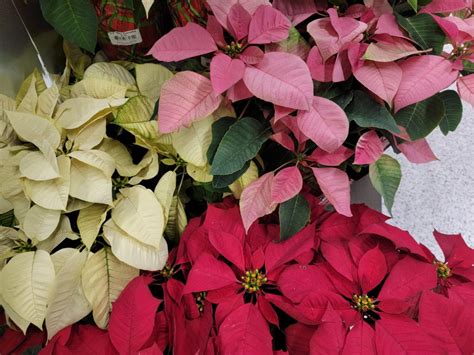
(234, 268)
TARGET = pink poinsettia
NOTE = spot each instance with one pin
(240, 67)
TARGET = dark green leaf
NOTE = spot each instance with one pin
(344, 100)
(422, 118)
(32, 351)
(241, 143)
(424, 31)
(294, 215)
(366, 112)
(386, 175)
(221, 181)
(219, 129)
(75, 20)
(452, 111)
(7, 219)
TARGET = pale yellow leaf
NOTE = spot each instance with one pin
(123, 159)
(47, 101)
(30, 99)
(136, 109)
(67, 303)
(27, 281)
(97, 159)
(34, 129)
(60, 257)
(74, 204)
(250, 175)
(199, 173)
(192, 143)
(110, 72)
(89, 183)
(103, 279)
(150, 79)
(39, 83)
(132, 252)
(10, 314)
(51, 194)
(164, 191)
(140, 215)
(73, 113)
(62, 232)
(38, 166)
(90, 135)
(149, 171)
(40, 222)
(76, 58)
(89, 221)
(98, 89)
(21, 205)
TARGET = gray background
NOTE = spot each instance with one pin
(440, 195)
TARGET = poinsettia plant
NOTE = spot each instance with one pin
(252, 127)
(323, 88)
(342, 284)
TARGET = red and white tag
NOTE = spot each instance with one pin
(125, 38)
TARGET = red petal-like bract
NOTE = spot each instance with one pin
(402, 335)
(182, 43)
(465, 86)
(336, 158)
(330, 335)
(133, 316)
(208, 273)
(360, 340)
(245, 332)
(448, 320)
(278, 254)
(268, 25)
(409, 277)
(444, 6)
(372, 269)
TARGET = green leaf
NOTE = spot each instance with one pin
(75, 20)
(219, 129)
(452, 111)
(366, 112)
(413, 4)
(294, 215)
(422, 118)
(386, 175)
(221, 181)
(7, 219)
(424, 31)
(241, 143)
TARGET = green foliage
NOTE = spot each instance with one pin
(75, 20)
(368, 113)
(294, 215)
(240, 144)
(424, 31)
(386, 175)
(422, 118)
(452, 111)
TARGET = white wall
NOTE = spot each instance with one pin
(440, 194)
